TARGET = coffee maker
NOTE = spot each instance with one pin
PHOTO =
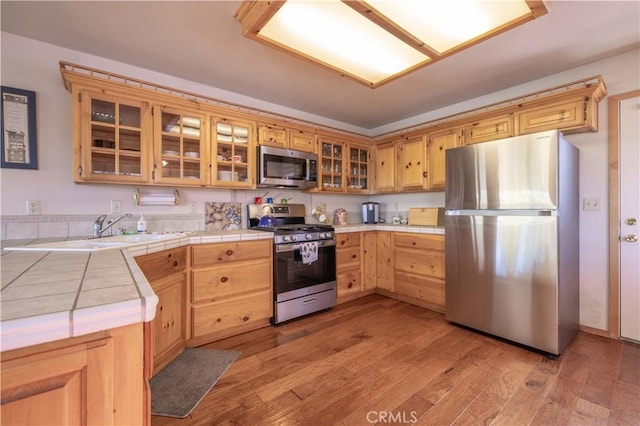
(370, 212)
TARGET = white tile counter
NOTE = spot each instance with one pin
(46, 296)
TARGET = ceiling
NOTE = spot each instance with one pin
(201, 42)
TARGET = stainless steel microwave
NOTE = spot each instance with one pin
(278, 167)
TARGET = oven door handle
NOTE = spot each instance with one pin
(292, 247)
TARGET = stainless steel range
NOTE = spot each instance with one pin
(304, 270)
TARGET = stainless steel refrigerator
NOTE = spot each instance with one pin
(512, 240)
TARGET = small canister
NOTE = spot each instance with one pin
(258, 200)
(269, 200)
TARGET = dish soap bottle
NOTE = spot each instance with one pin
(142, 224)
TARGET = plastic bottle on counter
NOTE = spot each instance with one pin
(142, 224)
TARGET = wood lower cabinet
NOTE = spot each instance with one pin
(349, 265)
(91, 379)
(166, 273)
(231, 289)
(384, 261)
(419, 269)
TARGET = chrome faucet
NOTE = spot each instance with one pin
(98, 230)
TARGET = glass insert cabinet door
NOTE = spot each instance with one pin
(115, 136)
(358, 169)
(332, 158)
(233, 153)
(179, 146)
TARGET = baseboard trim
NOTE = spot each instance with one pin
(596, 331)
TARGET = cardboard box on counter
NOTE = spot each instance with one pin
(426, 216)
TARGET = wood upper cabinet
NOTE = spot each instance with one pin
(489, 129)
(301, 140)
(412, 163)
(358, 173)
(112, 138)
(272, 135)
(180, 147)
(232, 153)
(166, 273)
(332, 159)
(439, 142)
(281, 137)
(566, 114)
(386, 167)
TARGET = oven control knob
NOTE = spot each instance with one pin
(321, 235)
(286, 238)
(308, 236)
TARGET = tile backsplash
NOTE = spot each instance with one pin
(63, 226)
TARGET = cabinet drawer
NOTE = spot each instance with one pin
(429, 263)
(272, 136)
(419, 241)
(348, 258)
(219, 316)
(349, 282)
(489, 129)
(158, 265)
(229, 279)
(349, 239)
(212, 254)
(428, 290)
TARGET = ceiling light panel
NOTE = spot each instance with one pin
(376, 41)
(340, 37)
(445, 25)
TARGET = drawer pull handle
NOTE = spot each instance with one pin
(224, 279)
(229, 252)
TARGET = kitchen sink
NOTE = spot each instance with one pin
(94, 244)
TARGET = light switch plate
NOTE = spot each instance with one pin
(591, 204)
(116, 206)
(33, 207)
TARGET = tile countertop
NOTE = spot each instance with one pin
(47, 296)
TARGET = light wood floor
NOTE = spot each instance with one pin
(380, 360)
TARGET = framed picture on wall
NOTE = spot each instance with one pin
(18, 122)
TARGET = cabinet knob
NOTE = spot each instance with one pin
(224, 279)
(229, 252)
(175, 263)
(350, 285)
(354, 256)
(245, 319)
(424, 174)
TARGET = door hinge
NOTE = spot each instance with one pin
(153, 174)
(79, 170)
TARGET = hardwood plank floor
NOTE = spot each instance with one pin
(379, 360)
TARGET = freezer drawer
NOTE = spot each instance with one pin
(502, 276)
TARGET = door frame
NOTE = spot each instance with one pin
(614, 211)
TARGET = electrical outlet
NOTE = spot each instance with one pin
(33, 207)
(194, 207)
(591, 204)
(116, 206)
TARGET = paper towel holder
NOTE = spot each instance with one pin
(153, 198)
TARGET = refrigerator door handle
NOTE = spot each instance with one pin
(501, 212)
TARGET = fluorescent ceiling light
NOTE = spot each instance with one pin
(377, 41)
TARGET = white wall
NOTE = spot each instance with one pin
(32, 65)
